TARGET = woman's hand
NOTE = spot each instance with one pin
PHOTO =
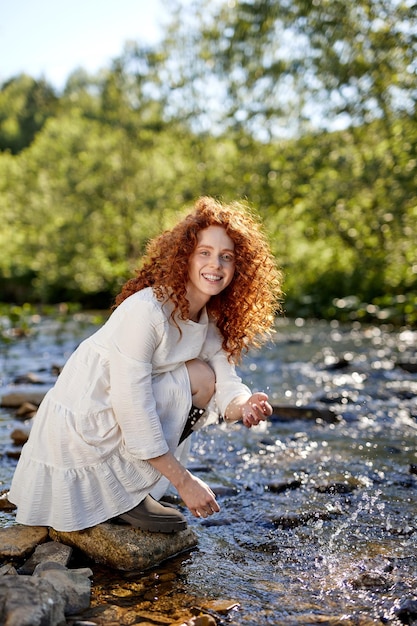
(256, 409)
(198, 497)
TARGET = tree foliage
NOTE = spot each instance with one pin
(25, 105)
(306, 109)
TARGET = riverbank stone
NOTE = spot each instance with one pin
(30, 601)
(43, 591)
(127, 548)
(17, 541)
(16, 398)
(50, 552)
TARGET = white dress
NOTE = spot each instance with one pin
(122, 397)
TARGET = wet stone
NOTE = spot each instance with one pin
(26, 410)
(408, 366)
(339, 487)
(18, 541)
(30, 601)
(15, 399)
(223, 491)
(302, 518)
(371, 580)
(51, 552)
(73, 585)
(13, 454)
(127, 548)
(407, 612)
(216, 521)
(282, 486)
(28, 379)
(201, 620)
(5, 505)
(19, 436)
(291, 412)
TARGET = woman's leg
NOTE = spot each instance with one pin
(149, 514)
(202, 380)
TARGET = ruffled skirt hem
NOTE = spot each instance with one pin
(75, 499)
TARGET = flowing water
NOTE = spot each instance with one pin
(318, 514)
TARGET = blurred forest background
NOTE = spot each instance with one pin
(304, 108)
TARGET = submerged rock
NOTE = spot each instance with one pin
(292, 412)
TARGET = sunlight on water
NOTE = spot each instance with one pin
(317, 518)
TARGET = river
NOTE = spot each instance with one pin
(318, 514)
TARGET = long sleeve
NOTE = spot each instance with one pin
(132, 343)
(228, 384)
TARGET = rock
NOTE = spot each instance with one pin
(7, 569)
(19, 436)
(51, 593)
(45, 598)
(222, 607)
(14, 400)
(287, 413)
(333, 362)
(51, 552)
(341, 484)
(26, 410)
(5, 505)
(408, 366)
(201, 620)
(30, 601)
(13, 454)
(223, 491)
(407, 611)
(217, 521)
(18, 541)
(282, 486)
(371, 580)
(126, 548)
(73, 585)
(28, 379)
(292, 519)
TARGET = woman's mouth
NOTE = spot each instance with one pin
(212, 278)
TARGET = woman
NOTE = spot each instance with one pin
(111, 434)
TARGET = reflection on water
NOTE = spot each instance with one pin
(318, 520)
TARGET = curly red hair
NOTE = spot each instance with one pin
(245, 311)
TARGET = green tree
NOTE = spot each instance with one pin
(290, 66)
(25, 105)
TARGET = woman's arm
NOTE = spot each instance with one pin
(197, 496)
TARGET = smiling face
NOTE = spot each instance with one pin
(210, 268)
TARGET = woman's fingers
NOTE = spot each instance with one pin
(205, 511)
(256, 410)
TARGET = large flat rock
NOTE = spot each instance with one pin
(127, 548)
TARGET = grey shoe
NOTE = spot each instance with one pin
(154, 517)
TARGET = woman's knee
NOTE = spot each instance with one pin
(202, 380)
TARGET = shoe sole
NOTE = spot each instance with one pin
(154, 527)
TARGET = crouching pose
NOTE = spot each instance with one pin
(112, 434)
